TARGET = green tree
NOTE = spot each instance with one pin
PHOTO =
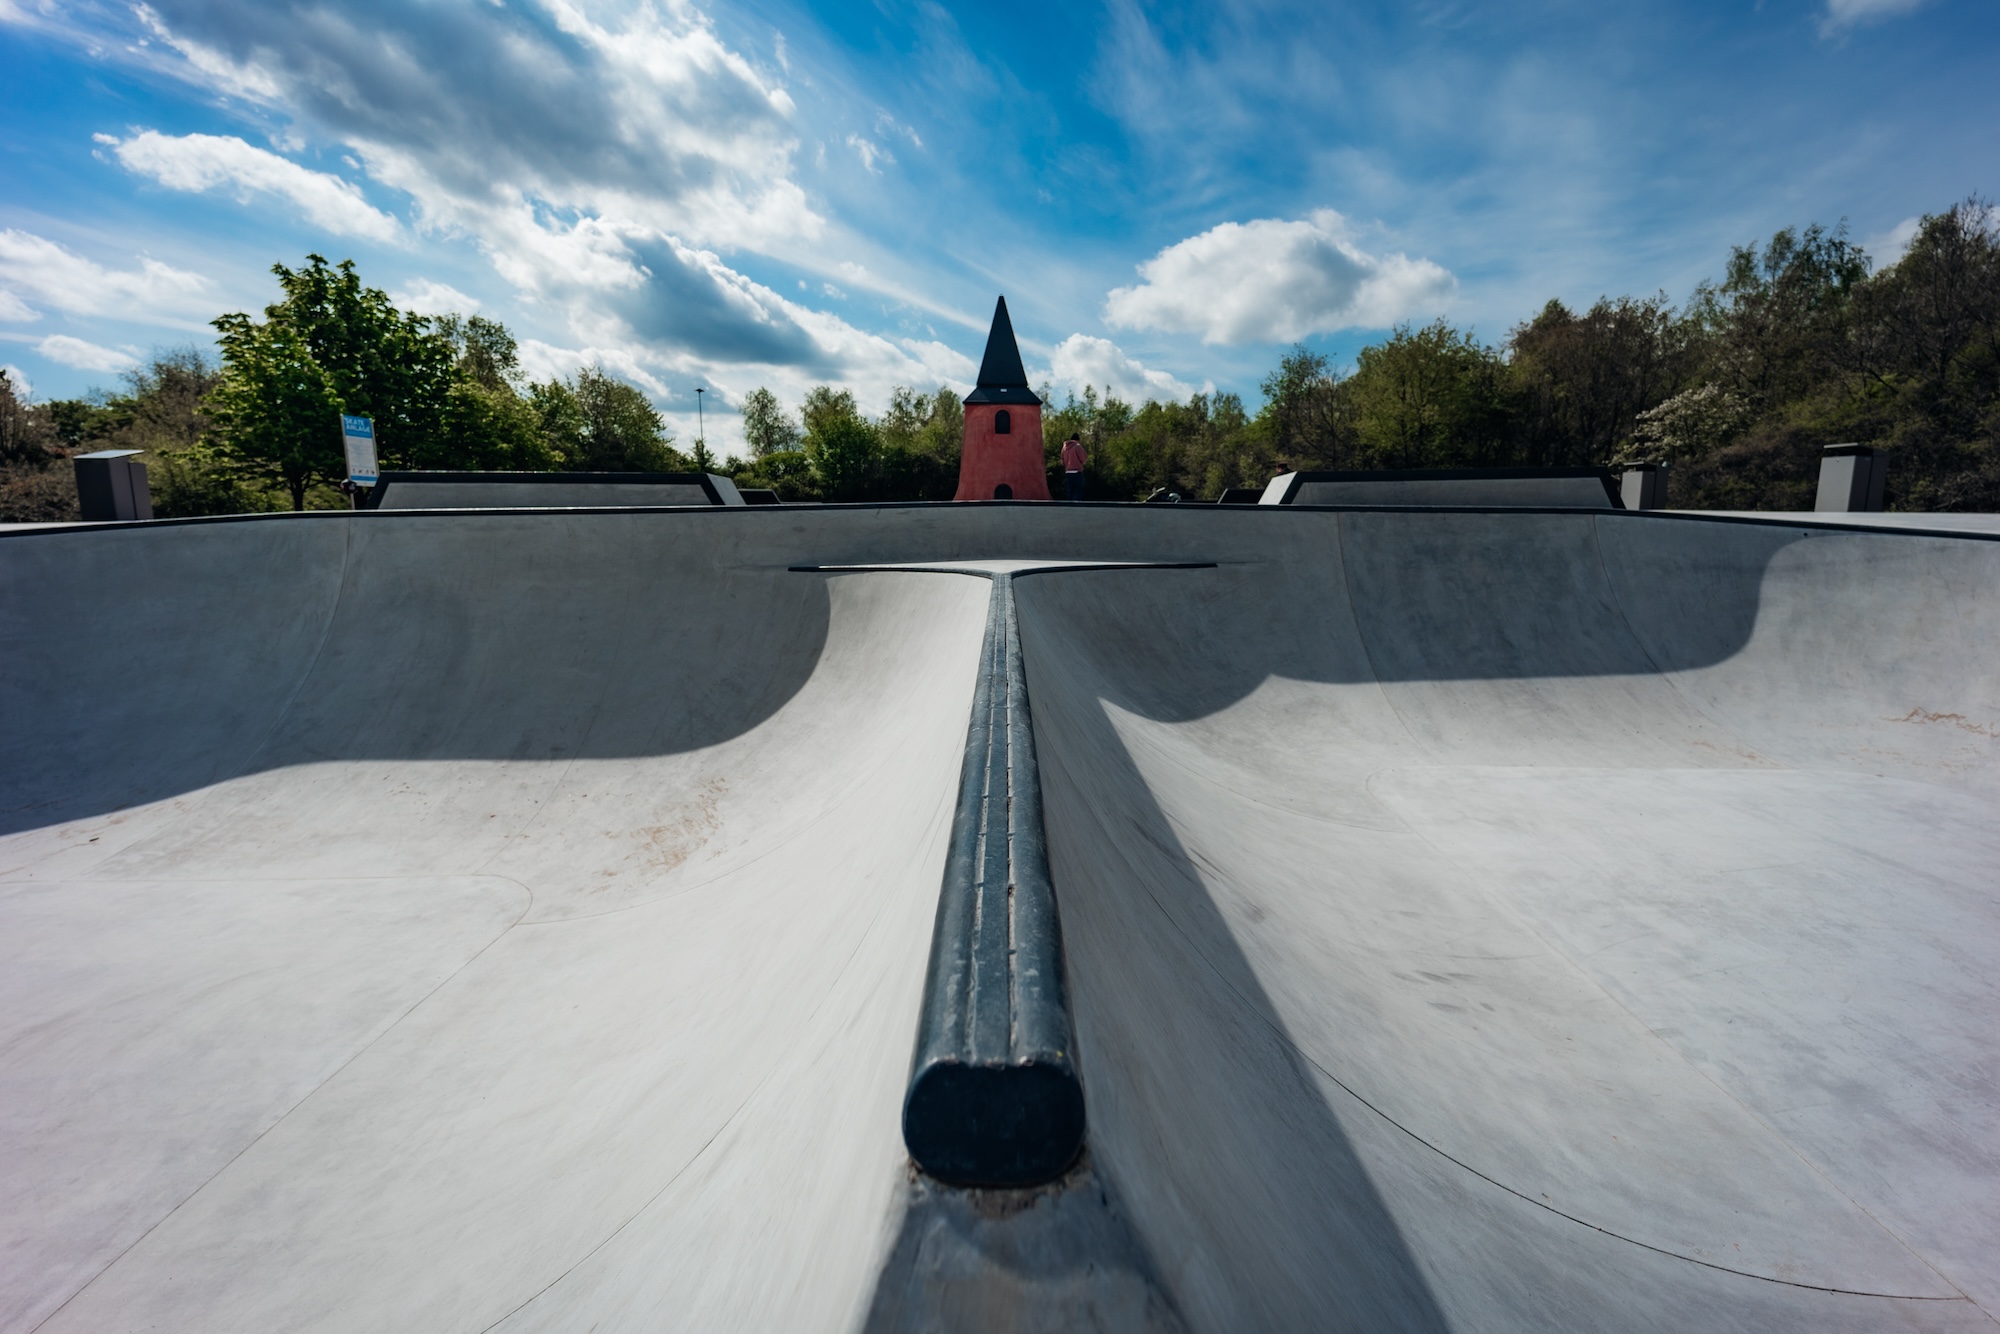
(823, 406)
(484, 422)
(26, 436)
(921, 436)
(845, 448)
(1780, 321)
(845, 453)
(160, 411)
(596, 423)
(275, 410)
(1581, 382)
(483, 350)
(1306, 419)
(1927, 381)
(1429, 398)
(767, 427)
(330, 346)
(33, 488)
(484, 428)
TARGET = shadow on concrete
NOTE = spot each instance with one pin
(1239, 1177)
(1059, 1257)
(142, 665)
(1405, 598)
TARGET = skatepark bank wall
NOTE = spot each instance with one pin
(1473, 920)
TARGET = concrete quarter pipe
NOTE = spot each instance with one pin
(1472, 920)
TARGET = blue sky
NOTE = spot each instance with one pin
(735, 194)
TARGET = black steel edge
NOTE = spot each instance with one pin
(994, 1098)
(541, 478)
(1076, 568)
(1774, 520)
(1448, 474)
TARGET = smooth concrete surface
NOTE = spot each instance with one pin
(1475, 921)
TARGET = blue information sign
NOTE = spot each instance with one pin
(359, 435)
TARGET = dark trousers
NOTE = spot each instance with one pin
(1072, 486)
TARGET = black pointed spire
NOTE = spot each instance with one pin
(1002, 377)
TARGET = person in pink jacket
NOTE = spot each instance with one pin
(1073, 457)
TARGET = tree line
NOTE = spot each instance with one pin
(260, 428)
(1802, 343)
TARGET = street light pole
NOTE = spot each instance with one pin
(700, 424)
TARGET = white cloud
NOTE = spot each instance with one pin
(218, 70)
(24, 388)
(603, 163)
(1275, 281)
(13, 310)
(154, 292)
(1885, 248)
(427, 296)
(1842, 14)
(870, 153)
(1081, 361)
(645, 119)
(201, 162)
(605, 159)
(886, 124)
(84, 356)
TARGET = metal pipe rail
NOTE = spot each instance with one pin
(994, 1098)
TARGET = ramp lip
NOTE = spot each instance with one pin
(1775, 518)
(972, 569)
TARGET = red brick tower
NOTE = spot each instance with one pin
(1003, 425)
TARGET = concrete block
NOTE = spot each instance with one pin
(1644, 487)
(111, 487)
(1851, 479)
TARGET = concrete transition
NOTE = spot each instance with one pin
(1472, 919)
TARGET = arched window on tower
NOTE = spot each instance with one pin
(1003, 424)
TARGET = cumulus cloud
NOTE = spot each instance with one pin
(605, 163)
(1275, 281)
(24, 388)
(1080, 361)
(13, 310)
(648, 118)
(426, 296)
(1843, 14)
(84, 356)
(59, 277)
(607, 160)
(202, 162)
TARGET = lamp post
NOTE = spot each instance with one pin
(700, 428)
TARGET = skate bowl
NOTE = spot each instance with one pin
(1471, 919)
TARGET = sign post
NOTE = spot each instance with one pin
(358, 434)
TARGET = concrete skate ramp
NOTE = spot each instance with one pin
(1474, 921)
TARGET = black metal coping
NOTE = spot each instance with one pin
(994, 1097)
(1807, 521)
